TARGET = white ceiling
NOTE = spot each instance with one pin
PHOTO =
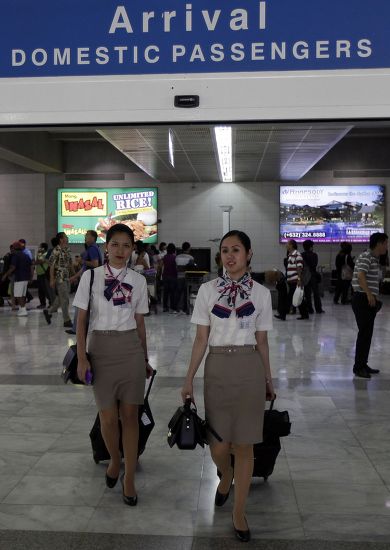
(261, 152)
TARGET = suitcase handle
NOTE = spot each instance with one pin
(150, 384)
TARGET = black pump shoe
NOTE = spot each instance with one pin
(130, 501)
(243, 536)
(221, 498)
(111, 481)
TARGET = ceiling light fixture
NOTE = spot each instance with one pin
(171, 150)
(223, 137)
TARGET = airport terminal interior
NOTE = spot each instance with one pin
(331, 485)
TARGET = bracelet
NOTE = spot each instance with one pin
(267, 381)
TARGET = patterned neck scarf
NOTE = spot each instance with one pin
(234, 295)
(115, 288)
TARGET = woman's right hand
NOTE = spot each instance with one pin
(187, 391)
(83, 366)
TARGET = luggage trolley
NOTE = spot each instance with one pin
(151, 282)
(193, 281)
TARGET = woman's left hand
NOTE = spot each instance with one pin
(149, 370)
(270, 394)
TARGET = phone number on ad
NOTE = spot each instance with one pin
(305, 235)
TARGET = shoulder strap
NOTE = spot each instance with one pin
(91, 284)
(150, 384)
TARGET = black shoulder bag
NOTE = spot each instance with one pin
(69, 364)
(187, 429)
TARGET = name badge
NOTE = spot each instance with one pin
(245, 323)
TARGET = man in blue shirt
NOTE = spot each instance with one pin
(91, 258)
(21, 267)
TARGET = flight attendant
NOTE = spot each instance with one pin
(233, 314)
(117, 351)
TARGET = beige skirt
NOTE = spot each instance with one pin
(118, 365)
(234, 393)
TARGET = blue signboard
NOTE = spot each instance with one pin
(108, 37)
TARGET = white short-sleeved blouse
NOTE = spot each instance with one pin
(233, 331)
(104, 315)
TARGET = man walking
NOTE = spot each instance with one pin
(184, 261)
(61, 268)
(294, 279)
(365, 303)
(21, 268)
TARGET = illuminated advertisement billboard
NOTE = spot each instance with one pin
(331, 213)
(82, 209)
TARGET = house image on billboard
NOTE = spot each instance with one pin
(367, 213)
(343, 211)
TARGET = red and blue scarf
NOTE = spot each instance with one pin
(115, 288)
(234, 296)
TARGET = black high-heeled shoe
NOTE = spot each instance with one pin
(243, 536)
(111, 481)
(130, 501)
(221, 498)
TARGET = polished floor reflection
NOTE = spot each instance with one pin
(332, 478)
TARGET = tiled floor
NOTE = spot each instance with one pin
(332, 478)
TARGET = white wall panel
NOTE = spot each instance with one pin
(243, 96)
(22, 209)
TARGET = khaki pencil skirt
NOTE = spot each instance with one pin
(234, 393)
(118, 365)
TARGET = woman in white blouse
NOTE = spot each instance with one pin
(117, 351)
(233, 314)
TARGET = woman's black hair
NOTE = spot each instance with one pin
(119, 228)
(346, 248)
(171, 249)
(293, 243)
(140, 247)
(307, 245)
(242, 237)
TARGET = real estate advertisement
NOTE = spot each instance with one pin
(331, 213)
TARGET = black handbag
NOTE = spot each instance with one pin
(187, 429)
(276, 423)
(70, 361)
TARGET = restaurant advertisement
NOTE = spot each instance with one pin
(99, 209)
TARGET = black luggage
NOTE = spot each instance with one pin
(146, 425)
(276, 425)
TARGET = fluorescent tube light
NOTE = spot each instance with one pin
(170, 145)
(223, 137)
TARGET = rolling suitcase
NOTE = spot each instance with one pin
(276, 425)
(146, 425)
